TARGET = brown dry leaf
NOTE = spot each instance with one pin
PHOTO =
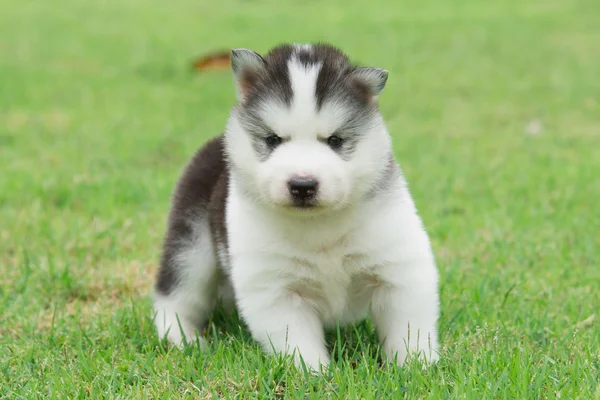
(219, 60)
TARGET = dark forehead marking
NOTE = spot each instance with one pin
(275, 80)
(335, 67)
(333, 81)
(322, 53)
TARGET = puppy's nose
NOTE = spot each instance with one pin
(303, 188)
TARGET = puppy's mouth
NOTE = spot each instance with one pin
(309, 209)
(301, 206)
(304, 204)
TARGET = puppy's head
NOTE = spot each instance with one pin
(306, 133)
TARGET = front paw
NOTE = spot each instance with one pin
(188, 337)
(425, 351)
(179, 332)
(314, 363)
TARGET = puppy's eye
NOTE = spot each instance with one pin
(334, 141)
(273, 140)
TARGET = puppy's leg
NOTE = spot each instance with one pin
(279, 317)
(405, 308)
(185, 292)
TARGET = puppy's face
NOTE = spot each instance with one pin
(306, 133)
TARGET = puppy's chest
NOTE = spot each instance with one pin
(338, 280)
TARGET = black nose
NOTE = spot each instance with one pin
(303, 188)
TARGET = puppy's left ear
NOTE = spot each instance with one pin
(372, 79)
(246, 66)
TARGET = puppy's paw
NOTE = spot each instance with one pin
(179, 332)
(315, 363)
(427, 355)
(188, 337)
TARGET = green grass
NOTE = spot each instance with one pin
(99, 112)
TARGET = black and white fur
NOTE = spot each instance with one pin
(300, 216)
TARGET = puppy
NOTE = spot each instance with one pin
(299, 216)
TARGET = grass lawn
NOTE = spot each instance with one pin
(495, 113)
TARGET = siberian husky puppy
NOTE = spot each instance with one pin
(300, 216)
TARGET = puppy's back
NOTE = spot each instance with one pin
(191, 202)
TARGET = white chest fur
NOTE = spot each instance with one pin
(336, 280)
(294, 276)
(334, 263)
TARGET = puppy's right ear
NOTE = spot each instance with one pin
(246, 66)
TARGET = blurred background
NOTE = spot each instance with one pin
(493, 108)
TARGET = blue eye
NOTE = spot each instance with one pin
(273, 140)
(334, 141)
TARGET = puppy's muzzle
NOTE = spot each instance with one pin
(303, 189)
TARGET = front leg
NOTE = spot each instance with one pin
(279, 317)
(405, 308)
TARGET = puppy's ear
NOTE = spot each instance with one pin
(246, 66)
(372, 80)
